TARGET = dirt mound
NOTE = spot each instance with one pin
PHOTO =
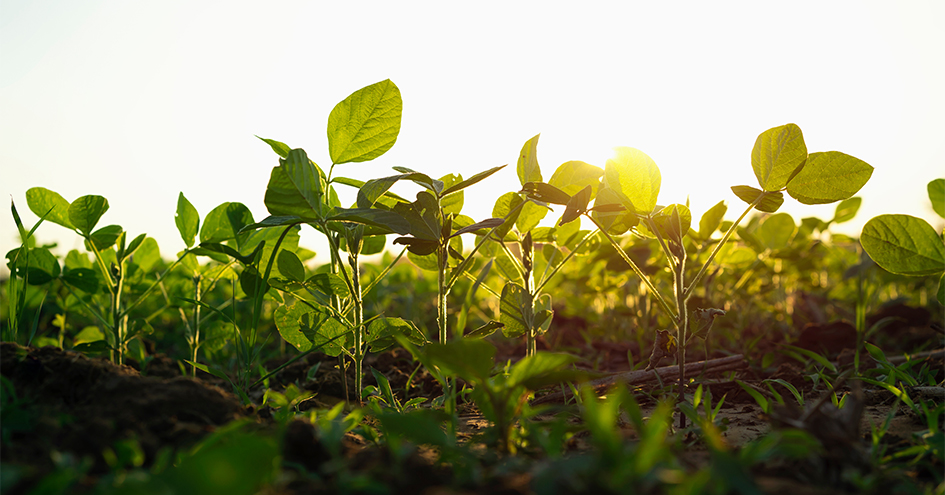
(68, 403)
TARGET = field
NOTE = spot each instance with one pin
(624, 347)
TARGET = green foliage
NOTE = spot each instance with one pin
(904, 244)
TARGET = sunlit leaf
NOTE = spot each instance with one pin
(527, 168)
(828, 177)
(770, 201)
(290, 266)
(846, 210)
(42, 201)
(711, 219)
(777, 156)
(511, 305)
(187, 220)
(634, 178)
(904, 245)
(776, 231)
(571, 177)
(365, 124)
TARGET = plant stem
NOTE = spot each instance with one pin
(442, 292)
(358, 319)
(649, 285)
(718, 247)
(196, 329)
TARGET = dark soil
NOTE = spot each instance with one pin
(71, 404)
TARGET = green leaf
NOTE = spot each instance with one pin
(86, 211)
(485, 330)
(305, 328)
(488, 223)
(105, 237)
(187, 220)
(571, 177)
(828, 177)
(290, 266)
(533, 371)
(937, 196)
(88, 335)
(42, 201)
(381, 333)
(527, 168)
(469, 359)
(84, 279)
(904, 245)
(330, 284)
(365, 124)
(372, 190)
(546, 193)
(273, 221)
(674, 221)
(225, 222)
(300, 188)
(776, 231)
(577, 205)
(711, 220)
(470, 181)
(38, 264)
(281, 149)
(512, 304)
(846, 210)
(19, 223)
(383, 219)
(777, 156)
(770, 201)
(635, 179)
(132, 246)
(609, 211)
(529, 216)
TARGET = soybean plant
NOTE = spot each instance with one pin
(626, 200)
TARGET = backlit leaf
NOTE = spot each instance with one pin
(847, 209)
(575, 175)
(514, 299)
(635, 179)
(904, 245)
(365, 124)
(828, 177)
(187, 220)
(777, 155)
(768, 204)
(527, 168)
(290, 266)
(776, 231)
(711, 219)
(42, 201)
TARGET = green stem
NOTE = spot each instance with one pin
(195, 343)
(646, 281)
(358, 320)
(718, 247)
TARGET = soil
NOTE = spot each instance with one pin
(74, 405)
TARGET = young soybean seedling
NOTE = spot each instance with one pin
(627, 201)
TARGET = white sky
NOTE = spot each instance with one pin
(137, 101)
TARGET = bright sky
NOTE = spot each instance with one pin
(137, 101)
